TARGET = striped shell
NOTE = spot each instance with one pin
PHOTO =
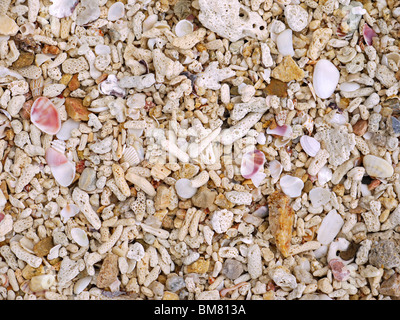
(377, 167)
(36, 86)
(131, 156)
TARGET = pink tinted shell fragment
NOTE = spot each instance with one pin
(45, 116)
(283, 131)
(339, 270)
(252, 161)
(368, 34)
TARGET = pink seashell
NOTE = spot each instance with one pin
(1, 216)
(252, 161)
(45, 116)
(283, 131)
(55, 158)
(275, 168)
(339, 270)
(368, 34)
(225, 291)
(69, 211)
(63, 170)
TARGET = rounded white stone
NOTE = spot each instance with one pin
(284, 42)
(325, 78)
(184, 188)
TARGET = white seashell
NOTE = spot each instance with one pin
(69, 211)
(284, 42)
(66, 128)
(102, 49)
(324, 175)
(325, 78)
(291, 186)
(82, 284)
(261, 212)
(130, 155)
(330, 227)
(338, 119)
(116, 11)
(139, 149)
(275, 168)
(377, 167)
(281, 142)
(64, 174)
(349, 86)
(319, 197)
(261, 138)
(310, 145)
(54, 252)
(41, 58)
(183, 28)
(80, 237)
(27, 244)
(184, 188)
(149, 22)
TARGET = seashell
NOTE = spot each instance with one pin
(329, 227)
(45, 116)
(324, 175)
(319, 197)
(80, 237)
(339, 270)
(377, 167)
(283, 131)
(261, 212)
(337, 119)
(139, 149)
(284, 42)
(62, 8)
(291, 186)
(102, 49)
(252, 162)
(349, 86)
(275, 168)
(82, 284)
(184, 188)
(310, 145)
(63, 170)
(66, 128)
(368, 34)
(116, 11)
(261, 138)
(281, 142)
(54, 252)
(325, 78)
(149, 22)
(41, 58)
(131, 156)
(55, 158)
(69, 211)
(36, 86)
(183, 27)
(110, 87)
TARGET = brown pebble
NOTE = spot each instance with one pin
(50, 49)
(277, 88)
(25, 59)
(42, 248)
(360, 127)
(76, 110)
(350, 252)
(74, 83)
(108, 271)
